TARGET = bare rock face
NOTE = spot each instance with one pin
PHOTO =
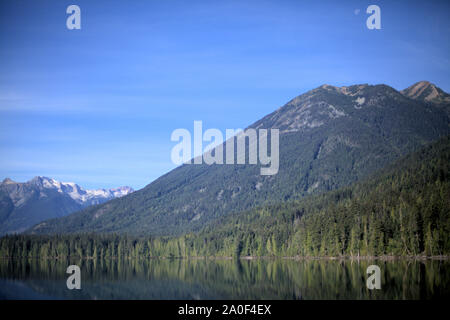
(429, 94)
(426, 91)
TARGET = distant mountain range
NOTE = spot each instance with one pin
(330, 137)
(24, 204)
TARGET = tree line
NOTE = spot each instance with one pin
(403, 211)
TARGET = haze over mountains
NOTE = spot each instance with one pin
(330, 137)
(24, 204)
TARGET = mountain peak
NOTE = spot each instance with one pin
(76, 192)
(329, 137)
(24, 204)
(352, 90)
(325, 105)
(43, 181)
(328, 86)
(426, 91)
(121, 191)
(8, 181)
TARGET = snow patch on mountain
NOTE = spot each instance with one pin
(77, 193)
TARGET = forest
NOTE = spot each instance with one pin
(401, 211)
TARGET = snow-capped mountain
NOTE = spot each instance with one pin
(79, 194)
(25, 204)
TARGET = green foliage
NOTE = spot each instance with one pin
(403, 210)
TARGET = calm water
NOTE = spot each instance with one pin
(223, 279)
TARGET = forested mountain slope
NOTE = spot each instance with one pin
(402, 210)
(330, 137)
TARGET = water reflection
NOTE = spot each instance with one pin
(223, 279)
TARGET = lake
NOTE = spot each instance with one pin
(224, 279)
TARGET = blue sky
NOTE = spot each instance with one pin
(97, 106)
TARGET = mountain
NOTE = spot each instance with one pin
(427, 92)
(24, 204)
(330, 137)
(401, 210)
